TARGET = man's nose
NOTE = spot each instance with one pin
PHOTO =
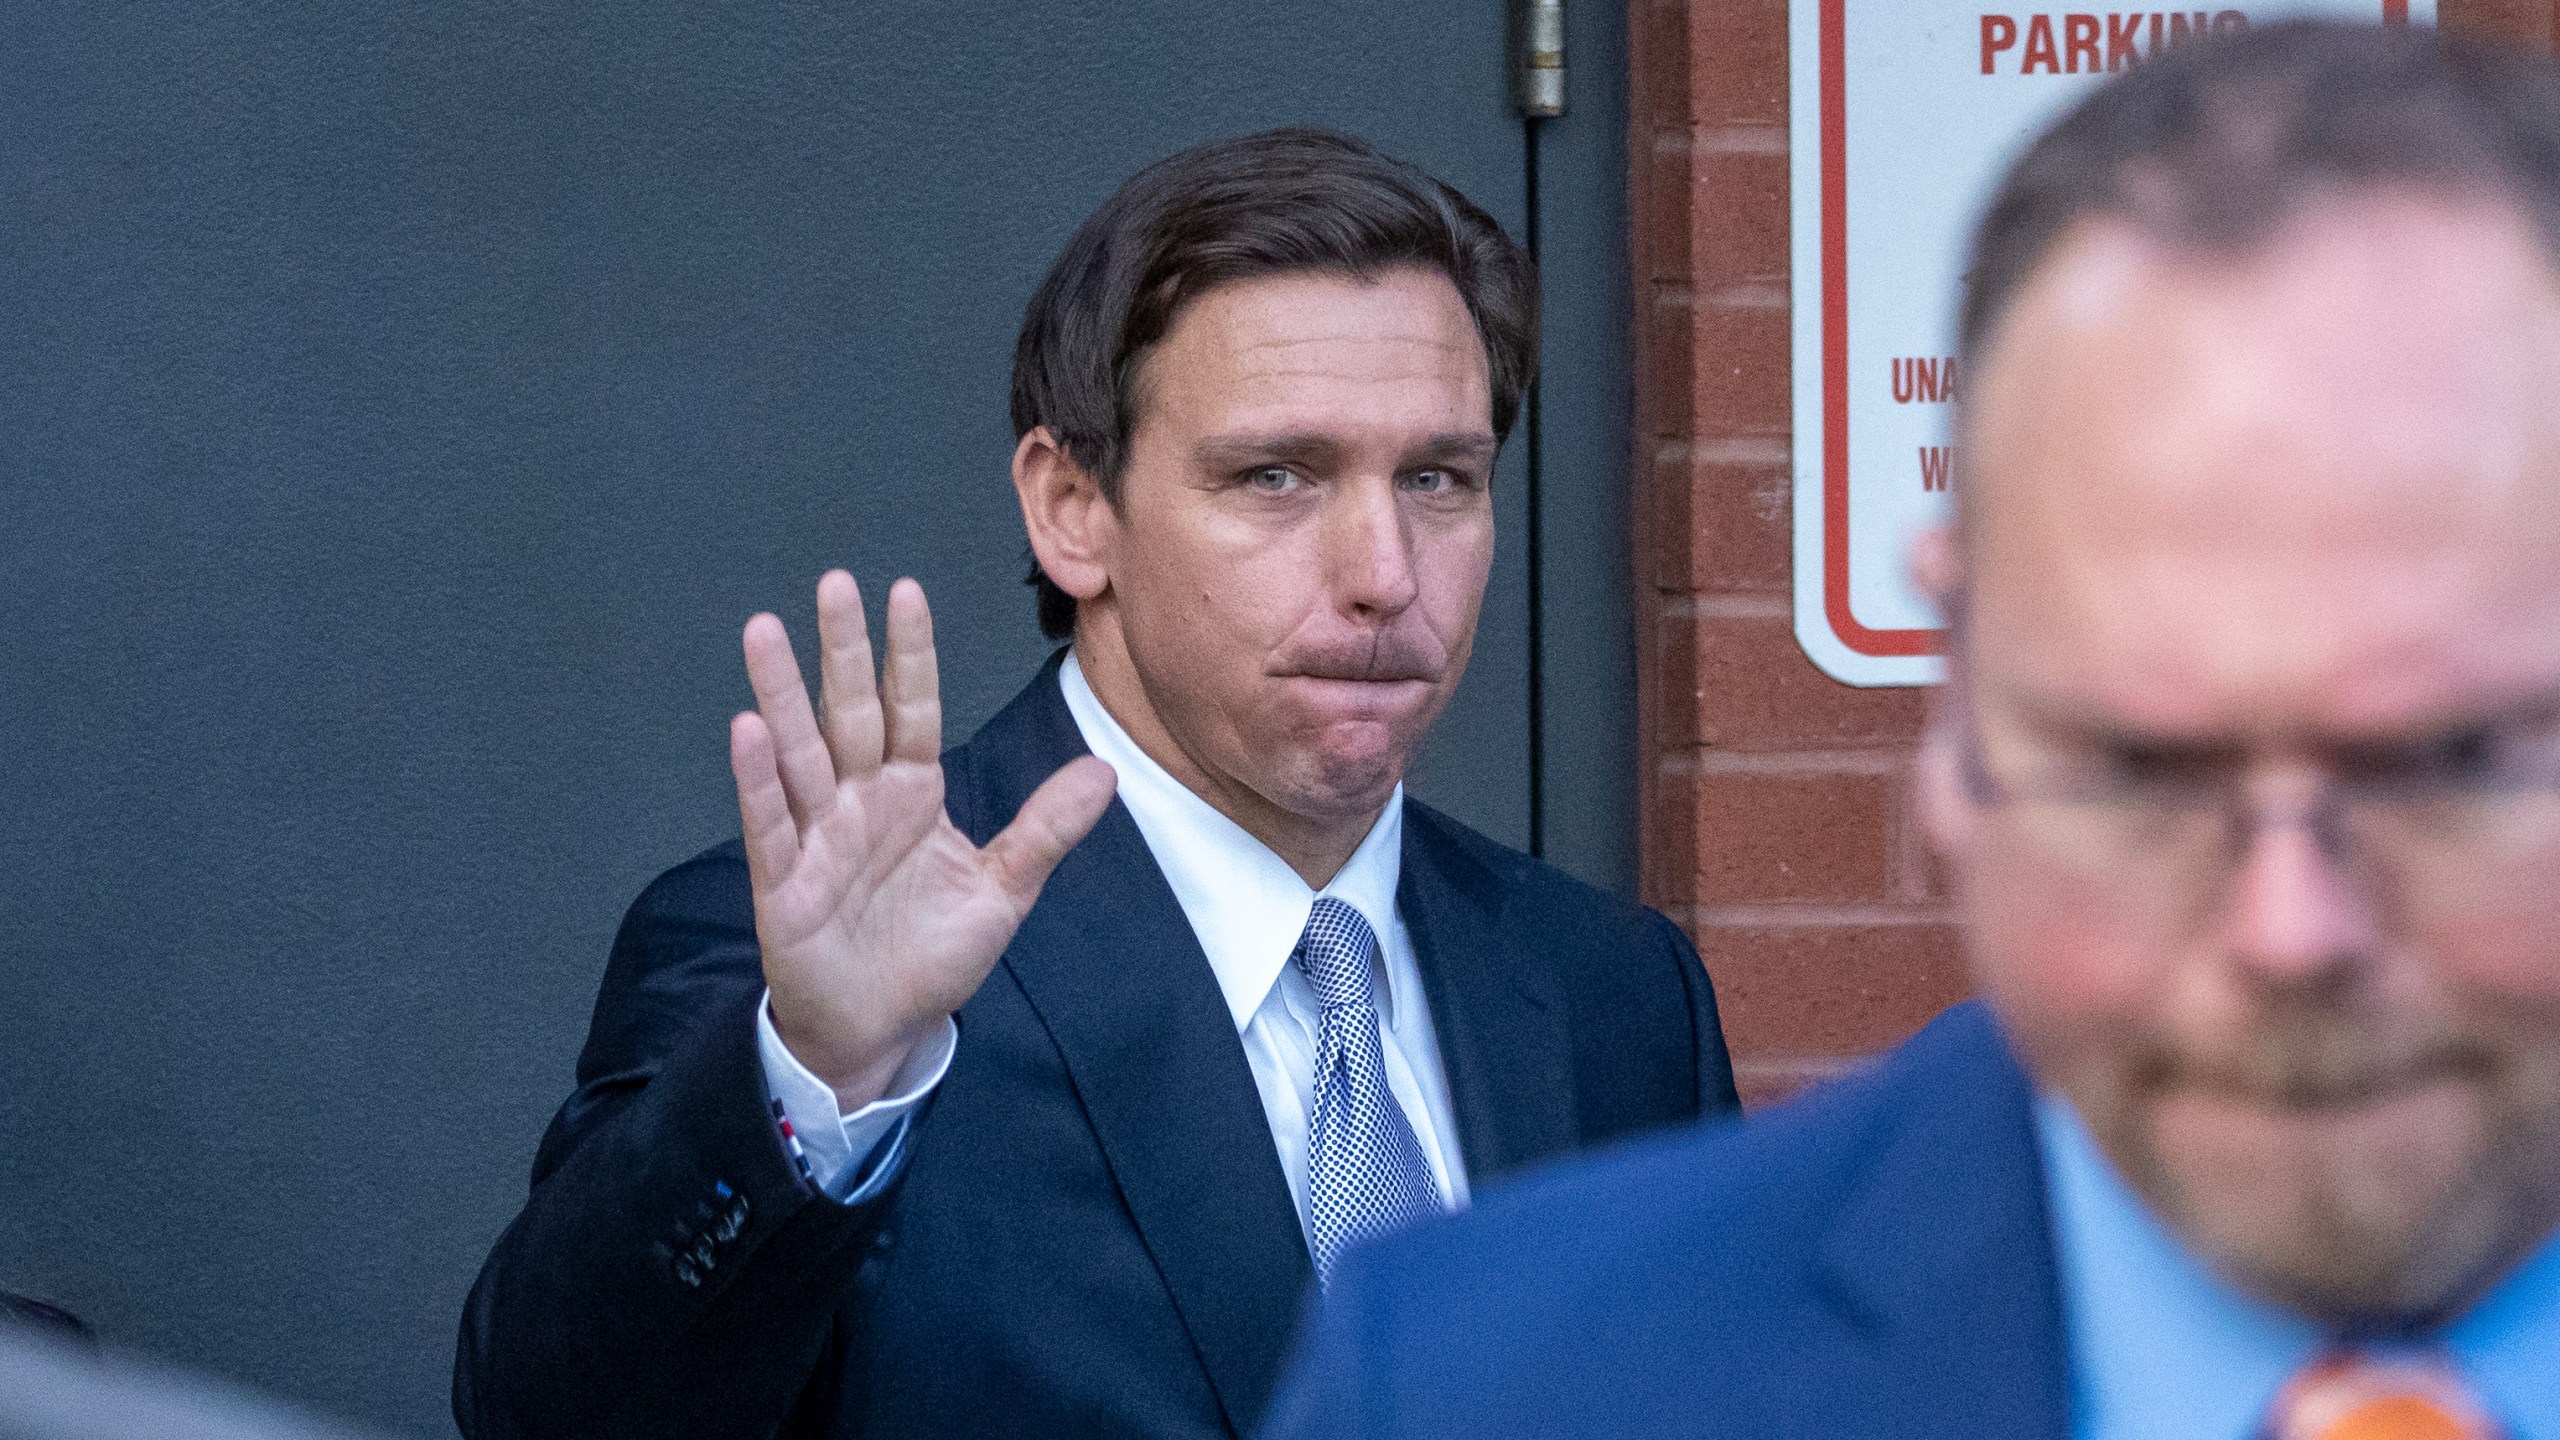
(1371, 544)
(2299, 915)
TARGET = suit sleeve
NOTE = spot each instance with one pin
(671, 1272)
(1716, 1093)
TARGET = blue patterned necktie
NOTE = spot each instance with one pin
(1365, 1171)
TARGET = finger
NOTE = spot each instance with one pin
(850, 708)
(911, 683)
(772, 840)
(808, 772)
(1058, 814)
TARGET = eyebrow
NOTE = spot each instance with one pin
(1219, 452)
(2073, 725)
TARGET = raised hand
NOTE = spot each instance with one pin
(877, 917)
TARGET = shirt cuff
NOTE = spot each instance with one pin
(850, 1157)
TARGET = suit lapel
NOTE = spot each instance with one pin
(1118, 978)
(1503, 1032)
(1941, 1248)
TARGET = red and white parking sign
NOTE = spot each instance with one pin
(1903, 114)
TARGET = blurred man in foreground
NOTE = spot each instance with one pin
(2248, 775)
(887, 1128)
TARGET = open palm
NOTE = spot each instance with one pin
(876, 915)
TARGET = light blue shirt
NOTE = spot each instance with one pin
(2163, 1349)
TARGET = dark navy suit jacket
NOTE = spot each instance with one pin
(1874, 1261)
(1092, 1235)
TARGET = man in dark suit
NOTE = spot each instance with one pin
(885, 1127)
(2247, 774)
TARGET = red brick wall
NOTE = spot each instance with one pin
(2534, 24)
(1777, 824)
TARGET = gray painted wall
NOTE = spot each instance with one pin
(1584, 646)
(400, 408)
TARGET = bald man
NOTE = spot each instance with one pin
(2248, 777)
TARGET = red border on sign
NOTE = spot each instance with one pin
(1874, 644)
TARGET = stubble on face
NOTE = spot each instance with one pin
(2271, 506)
(2353, 1166)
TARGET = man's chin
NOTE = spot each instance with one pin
(1341, 749)
(1347, 780)
(2353, 1214)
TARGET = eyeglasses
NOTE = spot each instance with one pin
(2448, 823)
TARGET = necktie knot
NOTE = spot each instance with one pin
(2357, 1395)
(1335, 953)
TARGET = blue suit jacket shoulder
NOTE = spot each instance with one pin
(1874, 1260)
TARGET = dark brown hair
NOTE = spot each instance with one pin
(1274, 203)
(2214, 145)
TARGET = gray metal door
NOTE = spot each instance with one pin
(401, 407)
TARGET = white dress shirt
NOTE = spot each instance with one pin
(1248, 909)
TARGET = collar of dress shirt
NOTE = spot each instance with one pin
(2162, 1347)
(1244, 902)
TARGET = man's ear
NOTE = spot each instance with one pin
(1936, 567)
(1946, 812)
(1074, 530)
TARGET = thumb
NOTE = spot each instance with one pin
(1058, 814)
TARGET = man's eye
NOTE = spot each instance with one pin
(2465, 757)
(1272, 479)
(2143, 765)
(2471, 754)
(2159, 775)
(1435, 481)
(2460, 759)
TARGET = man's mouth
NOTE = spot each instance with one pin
(1344, 676)
(2332, 1095)
(1359, 695)
(1398, 655)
